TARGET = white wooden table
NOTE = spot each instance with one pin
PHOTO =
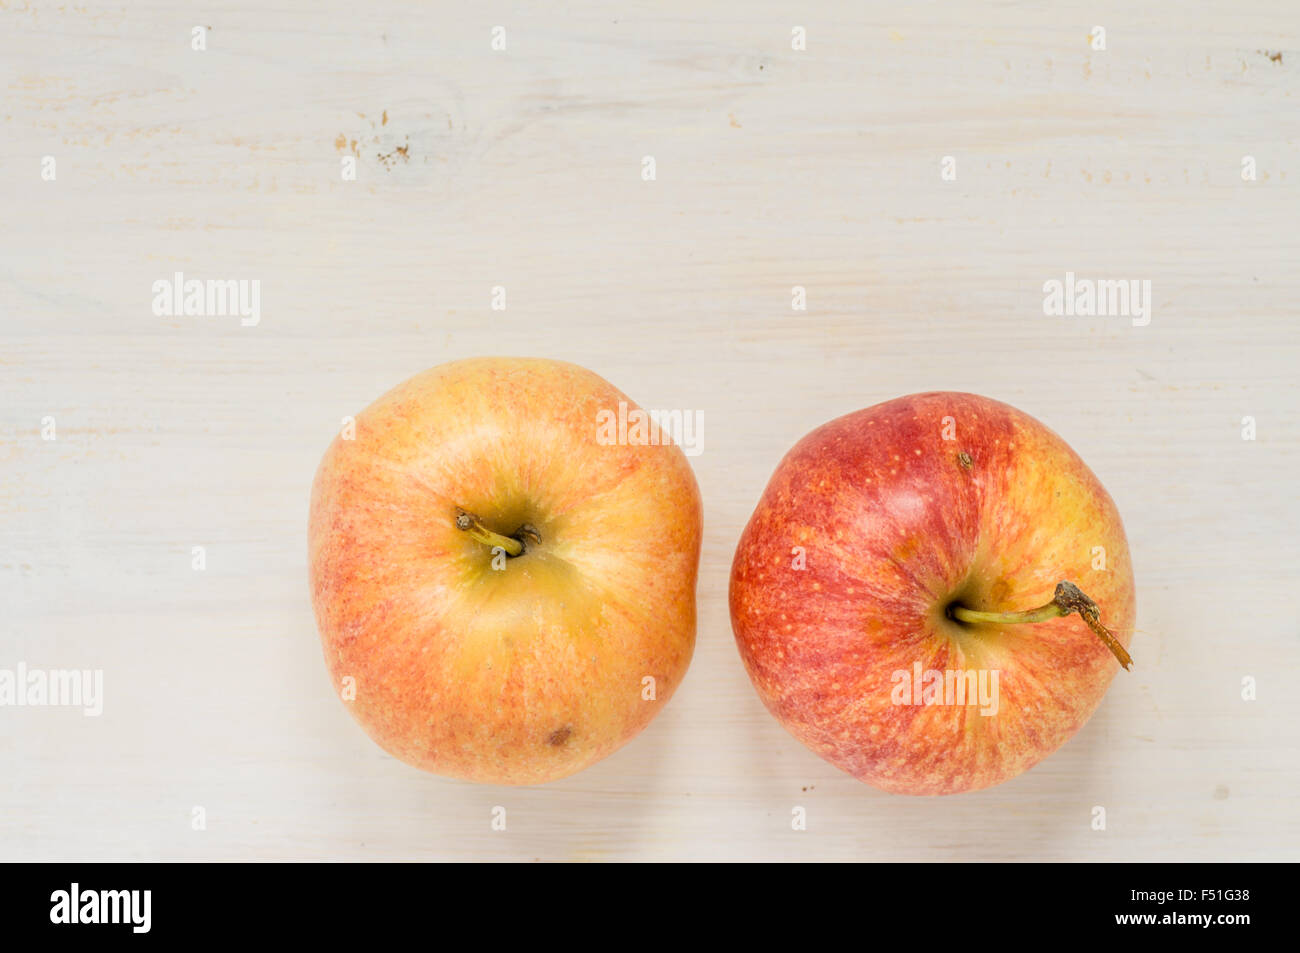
(523, 168)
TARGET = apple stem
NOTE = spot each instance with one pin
(1067, 598)
(471, 524)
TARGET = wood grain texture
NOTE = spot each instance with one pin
(522, 168)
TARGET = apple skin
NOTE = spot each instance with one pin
(895, 525)
(529, 673)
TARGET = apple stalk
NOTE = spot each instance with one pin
(1067, 598)
(512, 545)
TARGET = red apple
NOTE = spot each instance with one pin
(933, 534)
(502, 596)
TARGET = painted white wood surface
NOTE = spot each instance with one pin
(522, 168)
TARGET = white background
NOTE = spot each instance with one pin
(522, 168)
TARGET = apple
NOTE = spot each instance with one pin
(933, 594)
(501, 596)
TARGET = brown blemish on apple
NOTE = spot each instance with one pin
(559, 736)
(909, 548)
(964, 460)
(1001, 589)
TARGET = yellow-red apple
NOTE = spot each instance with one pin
(902, 553)
(500, 595)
